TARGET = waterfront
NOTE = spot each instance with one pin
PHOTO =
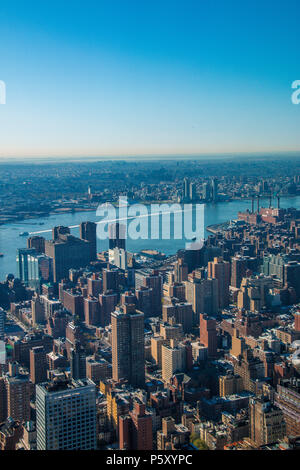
(213, 214)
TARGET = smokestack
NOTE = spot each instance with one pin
(252, 210)
(270, 205)
(278, 202)
(257, 204)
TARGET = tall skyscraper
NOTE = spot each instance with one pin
(18, 397)
(151, 278)
(128, 345)
(38, 365)
(67, 252)
(108, 302)
(88, 232)
(203, 294)
(117, 236)
(208, 334)
(238, 270)
(173, 359)
(36, 242)
(23, 264)
(110, 279)
(220, 269)
(78, 362)
(66, 415)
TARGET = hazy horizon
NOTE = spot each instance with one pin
(162, 157)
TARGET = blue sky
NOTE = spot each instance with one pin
(127, 77)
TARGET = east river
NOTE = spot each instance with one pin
(213, 214)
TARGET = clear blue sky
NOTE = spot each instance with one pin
(130, 77)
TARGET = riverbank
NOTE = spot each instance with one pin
(10, 241)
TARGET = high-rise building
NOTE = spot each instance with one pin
(180, 312)
(36, 242)
(66, 415)
(220, 269)
(173, 359)
(208, 334)
(144, 300)
(128, 347)
(91, 310)
(97, 369)
(33, 268)
(87, 232)
(18, 397)
(230, 384)
(150, 278)
(287, 399)
(135, 429)
(267, 424)
(38, 311)
(66, 252)
(108, 302)
(38, 365)
(94, 285)
(23, 267)
(117, 235)
(180, 270)
(78, 362)
(238, 270)
(156, 349)
(110, 279)
(203, 294)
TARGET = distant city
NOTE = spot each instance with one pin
(142, 349)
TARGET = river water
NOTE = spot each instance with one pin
(213, 214)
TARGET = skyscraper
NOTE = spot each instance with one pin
(266, 422)
(38, 365)
(208, 334)
(87, 232)
(136, 428)
(78, 362)
(66, 415)
(18, 397)
(128, 345)
(203, 295)
(67, 252)
(220, 269)
(23, 264)
(173, 359)
(117, 235)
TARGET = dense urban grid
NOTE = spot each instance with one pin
(141, 351)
